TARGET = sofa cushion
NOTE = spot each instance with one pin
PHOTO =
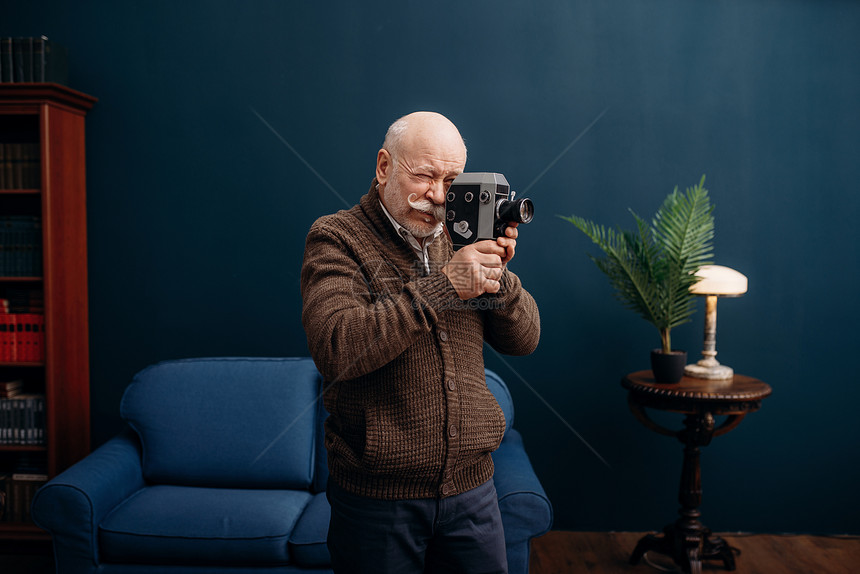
(227, 422)
(308, 541)
(182, 525)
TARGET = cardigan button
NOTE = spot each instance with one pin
(452, 430)
(443, 336)
(451, 385)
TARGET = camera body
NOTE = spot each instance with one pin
(480, 206)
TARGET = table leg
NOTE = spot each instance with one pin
(715, 548)
(687, 541)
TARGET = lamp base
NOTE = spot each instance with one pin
(711, 372)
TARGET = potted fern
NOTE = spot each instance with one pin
(653, 267)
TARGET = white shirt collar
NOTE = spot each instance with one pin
(419, 249)
(406, 234)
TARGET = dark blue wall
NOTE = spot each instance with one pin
(223, 129)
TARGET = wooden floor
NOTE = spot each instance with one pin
(608, 552)
(605, 553)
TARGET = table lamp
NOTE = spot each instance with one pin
(716, 281)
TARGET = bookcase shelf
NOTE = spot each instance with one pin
(21, 531)
(22, 448)
(43, 126)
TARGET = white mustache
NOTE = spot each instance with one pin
(426, 206)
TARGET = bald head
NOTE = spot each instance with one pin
(420, 130)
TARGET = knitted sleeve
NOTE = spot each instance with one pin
(512, 323)
(358, 317)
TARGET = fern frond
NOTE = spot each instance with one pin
(684, 225)
(652, 268)
(627, 264)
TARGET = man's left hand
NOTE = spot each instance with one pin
(509, 242)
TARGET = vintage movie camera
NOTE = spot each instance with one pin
(479, 206)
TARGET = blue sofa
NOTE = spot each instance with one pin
(222, 470)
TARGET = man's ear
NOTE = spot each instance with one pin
(384, 166)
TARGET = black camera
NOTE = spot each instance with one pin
(479, 206)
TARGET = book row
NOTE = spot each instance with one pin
(16, 495)
(20, 166)
(16, 299)
(9, 389)
(22, 338)
(22, 420)
(20, 246)
(33, 60)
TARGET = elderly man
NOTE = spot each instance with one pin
(393, 325)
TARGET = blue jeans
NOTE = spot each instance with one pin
(461, 533)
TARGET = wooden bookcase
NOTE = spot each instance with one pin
(49, 119)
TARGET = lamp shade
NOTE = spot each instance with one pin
(719, 280)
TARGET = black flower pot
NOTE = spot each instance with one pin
(668, 367)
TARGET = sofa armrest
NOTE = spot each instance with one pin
(526, 510)
(72, 504)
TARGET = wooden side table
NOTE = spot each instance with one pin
(687, 540)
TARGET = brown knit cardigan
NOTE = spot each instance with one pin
(402, 358)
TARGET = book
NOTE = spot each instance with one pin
(22, 422)
(22, 300)
(54, 64)
(30, 165)
(33, 60)
(20, 165)
(20, 61)
(9, 389)
(20, 246)
(22, 338)
(3, 496)
(7, 331)
(18, 490)
(6, 60)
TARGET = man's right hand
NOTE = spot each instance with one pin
(476, 269)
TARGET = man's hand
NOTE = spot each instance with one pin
(509, 242)
(477, 268)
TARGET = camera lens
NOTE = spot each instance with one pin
(527, 210)
(519, 211)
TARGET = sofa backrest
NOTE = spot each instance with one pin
(228, 422)
(239, 422)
